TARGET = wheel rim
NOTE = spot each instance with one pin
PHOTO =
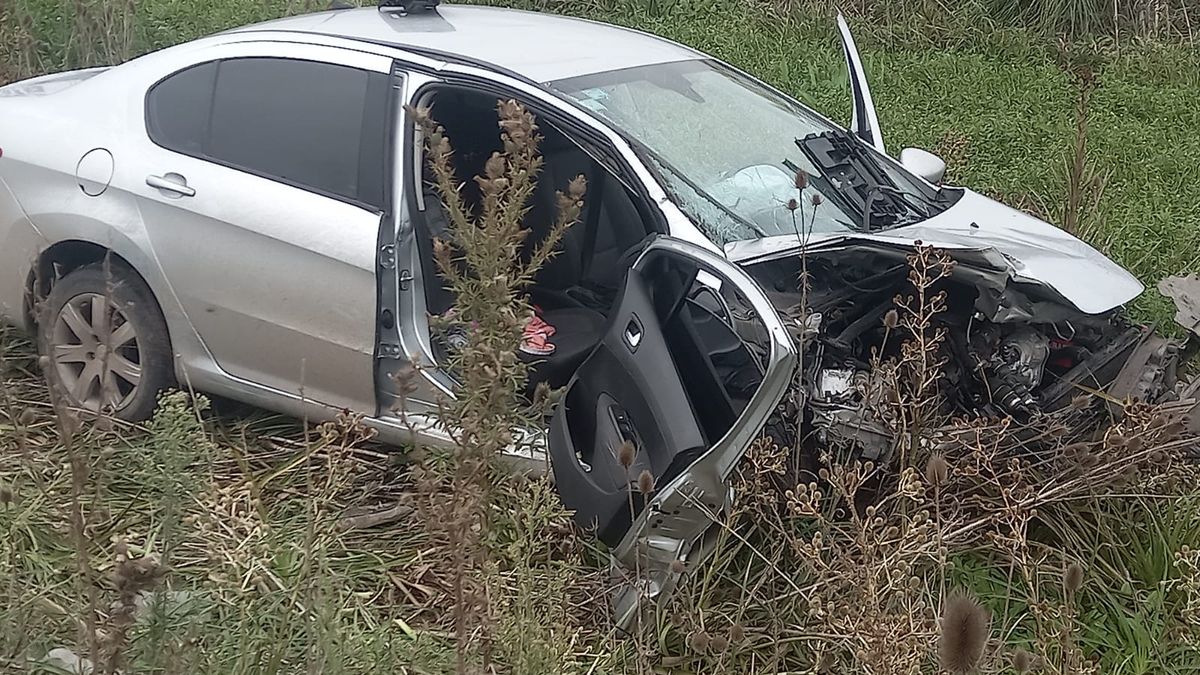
(96, 354)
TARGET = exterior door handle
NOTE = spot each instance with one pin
(172, 183)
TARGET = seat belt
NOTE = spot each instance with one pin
(595, 203)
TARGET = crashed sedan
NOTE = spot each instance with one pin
(249, 215)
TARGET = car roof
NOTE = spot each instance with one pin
(540, 47)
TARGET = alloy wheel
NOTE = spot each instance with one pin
(95, 353)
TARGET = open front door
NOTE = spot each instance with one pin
(863, 120)
(692, 362)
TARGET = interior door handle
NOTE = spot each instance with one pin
(633, 333)
(171, 182)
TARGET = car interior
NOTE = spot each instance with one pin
(575, 290)
(665, 357)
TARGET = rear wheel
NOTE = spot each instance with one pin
(106, 341)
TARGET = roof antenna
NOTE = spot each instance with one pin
(407, 6)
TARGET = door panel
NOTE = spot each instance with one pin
(693, 362)
(628, 391)
(278, 282)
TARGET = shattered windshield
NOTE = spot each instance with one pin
(728, 149)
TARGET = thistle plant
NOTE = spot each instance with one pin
(488, 265)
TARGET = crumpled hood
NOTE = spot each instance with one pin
(983, 232)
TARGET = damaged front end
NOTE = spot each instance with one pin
(1005, 348)
(889, 346)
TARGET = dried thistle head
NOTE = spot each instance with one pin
(421, 114)
(719, 643)
(1073, 578)
(519, 131)
(792, 204)
(937, 470)
(801, 179)
(1023, 661)
(625, 454)
(891, 319)
(699, 641)
(494, 167)
(645, 482)
(405, 377)
(136, 574)
(569, 207)
(678, 566)
(1081, 402)
(737, 633)
(817, 199)
(965, 628)
(577, 188)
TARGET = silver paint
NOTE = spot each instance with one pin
(540, 47)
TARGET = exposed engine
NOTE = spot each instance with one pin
(1004, 349)
(1017, 363)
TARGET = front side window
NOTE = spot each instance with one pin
(317, 126)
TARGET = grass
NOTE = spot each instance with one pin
(243, 503)
(226, 507)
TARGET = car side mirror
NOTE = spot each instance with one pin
(924, 163)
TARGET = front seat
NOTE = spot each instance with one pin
(577, 285)
(577, 328)
(592, 247)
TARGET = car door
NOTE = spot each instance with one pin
(692, 364)
(261, 187)
(863, 120)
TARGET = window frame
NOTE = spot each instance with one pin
(379, 87)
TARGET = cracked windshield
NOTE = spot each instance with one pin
(728, 149)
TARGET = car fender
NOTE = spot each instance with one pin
(53, 229)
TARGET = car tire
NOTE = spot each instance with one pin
(106, 342)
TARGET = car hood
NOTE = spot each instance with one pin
(983, 232)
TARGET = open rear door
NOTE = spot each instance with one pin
(863, 120)
(693, 361)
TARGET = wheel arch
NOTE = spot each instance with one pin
(65, 256)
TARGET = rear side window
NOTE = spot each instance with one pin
(177, 109)
(317, 126)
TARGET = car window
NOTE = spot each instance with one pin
(314, 125)
(177, 109)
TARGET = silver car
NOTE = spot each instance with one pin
(247, 215)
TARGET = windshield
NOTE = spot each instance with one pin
(729, 149)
